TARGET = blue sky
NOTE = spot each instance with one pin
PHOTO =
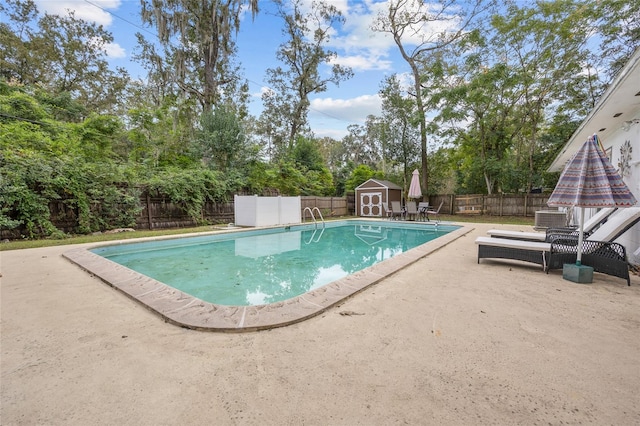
(371, 55)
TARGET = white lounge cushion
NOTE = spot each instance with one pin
(520, 235)
(617, 222)
(513, 244)
(595, 220)
(610, 230)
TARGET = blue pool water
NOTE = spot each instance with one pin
(267, 266)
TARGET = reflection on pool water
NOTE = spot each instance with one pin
(265, 266)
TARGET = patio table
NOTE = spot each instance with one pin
(422, 210)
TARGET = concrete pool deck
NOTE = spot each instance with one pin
(443, 341)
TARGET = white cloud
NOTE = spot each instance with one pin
(352, 111)
(256, 95)
(336, 134)
(406, 81)
(82, 9)
(363, 49)
(364, 63)
(357, 37)
(114, 51)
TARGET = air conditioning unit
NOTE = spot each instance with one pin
(550, 219)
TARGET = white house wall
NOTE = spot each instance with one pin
(618, 108)
(631, 239)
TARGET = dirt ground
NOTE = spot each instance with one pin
(445, 341)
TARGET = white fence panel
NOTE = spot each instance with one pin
(266, 211)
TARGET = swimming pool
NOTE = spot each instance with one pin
(268, 266)
(262, 278)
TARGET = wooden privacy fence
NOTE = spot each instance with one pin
(329, 206)
(492, 205)
(159, 212)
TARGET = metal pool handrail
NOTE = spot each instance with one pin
(315, 222)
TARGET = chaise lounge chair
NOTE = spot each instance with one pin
(598, 250)
(589, 226)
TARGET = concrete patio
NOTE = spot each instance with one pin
(444, 341)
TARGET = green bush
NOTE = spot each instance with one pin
(190, 188)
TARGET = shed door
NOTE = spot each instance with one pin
(371, 204)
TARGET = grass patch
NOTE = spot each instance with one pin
(498, 220)
(82, 239)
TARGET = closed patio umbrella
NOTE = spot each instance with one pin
(414, 188)
(590, 180)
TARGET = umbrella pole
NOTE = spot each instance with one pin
(580, 237)
(578, 273)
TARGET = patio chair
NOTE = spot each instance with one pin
(598, 251)
(436, 213)
(412, 210)
(396, 210)
(387, 213)
(589, 226)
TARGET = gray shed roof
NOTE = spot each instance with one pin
(381, 182)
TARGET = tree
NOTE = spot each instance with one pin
(419, 30)
(43, 160)
(75, 62)
(17, 57)
(62, 54)
(222, 142)
(196, 37)
(545, 47)
(498, 91)
(161, 136)
(304, 51)
(336, 158)
(618, 23)
(400, 130)
(307, 154)
(441, 171)
(360, 148)
(359, 175)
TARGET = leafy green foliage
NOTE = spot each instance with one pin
(286, 177)
(80, 140)
(306, 154)
(160, 136)
(25, 192)
(45, 161)
(63, 55)
(359, 175)
(618, 22)
(222, 143)
(441, 172)
(189, 188)
(93, 193)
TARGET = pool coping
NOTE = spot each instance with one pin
(184, 310)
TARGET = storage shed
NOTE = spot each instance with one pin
(373, 194)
